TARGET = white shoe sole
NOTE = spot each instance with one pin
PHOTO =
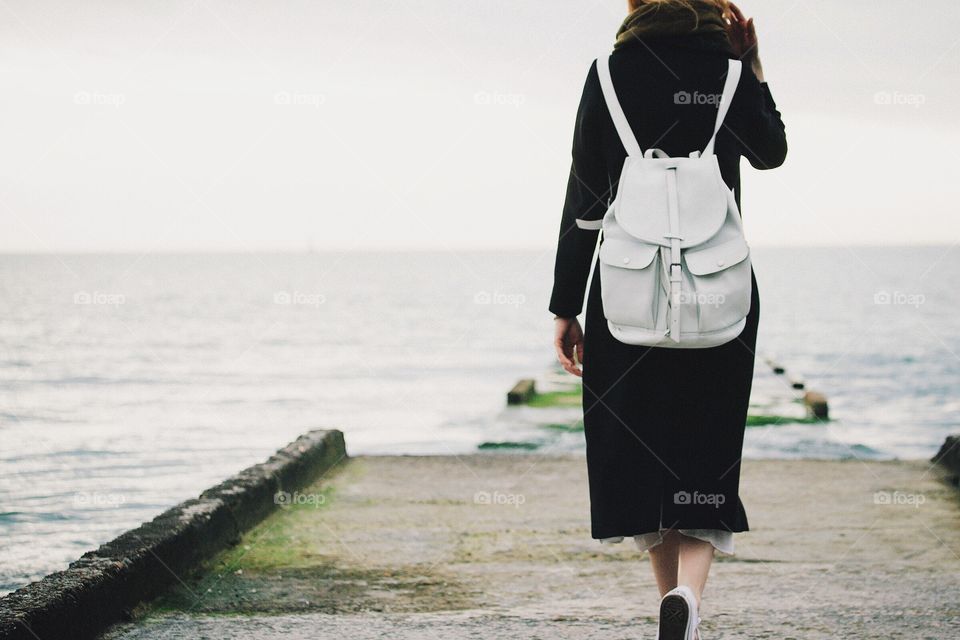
(675, 618)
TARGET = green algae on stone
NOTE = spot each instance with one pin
(567, 427)
(528, 446)
(760, 420)
(565, 398)
(329, 587)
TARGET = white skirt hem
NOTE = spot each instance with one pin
(721, 540)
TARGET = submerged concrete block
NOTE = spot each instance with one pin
(949, 455)
(816, 404)
(522, 392)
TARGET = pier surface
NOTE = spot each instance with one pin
(498, 546)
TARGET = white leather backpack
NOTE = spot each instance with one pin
(674, 263)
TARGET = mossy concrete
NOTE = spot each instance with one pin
(561, 398)
(498, 546)
(284, 565)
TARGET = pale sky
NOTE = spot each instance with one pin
(431, 124)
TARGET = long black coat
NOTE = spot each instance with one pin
(661, 423)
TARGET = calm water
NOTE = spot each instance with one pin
(129, 383)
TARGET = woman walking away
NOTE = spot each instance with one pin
(667, 366)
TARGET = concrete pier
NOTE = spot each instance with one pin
(498, 546)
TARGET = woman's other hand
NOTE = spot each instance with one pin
(568, 341)
(743, 39)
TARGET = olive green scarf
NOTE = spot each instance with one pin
(666, 20)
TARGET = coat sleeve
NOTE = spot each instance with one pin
(756, 125)
(588, 188)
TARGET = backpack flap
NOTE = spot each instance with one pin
(702, 262)
(627, 254)
(642, 207)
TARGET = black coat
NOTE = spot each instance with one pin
(660, 422)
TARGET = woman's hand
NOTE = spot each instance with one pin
(568, 341)
(743, 39)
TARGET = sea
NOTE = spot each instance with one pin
(130, 382)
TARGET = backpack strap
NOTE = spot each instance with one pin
(676, 266)
(616, 111)
(729, 88)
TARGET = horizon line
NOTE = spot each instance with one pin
(319, 250)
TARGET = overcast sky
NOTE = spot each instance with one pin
(203, 125)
